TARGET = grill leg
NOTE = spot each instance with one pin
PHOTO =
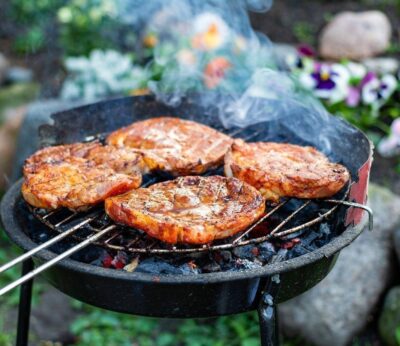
(24, 307)
(267, 314)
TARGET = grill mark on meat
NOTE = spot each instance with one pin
(285, 170)
(180, 147)
(79, 175)
(190, 209)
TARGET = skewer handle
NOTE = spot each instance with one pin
(55, 260)
(40, 247)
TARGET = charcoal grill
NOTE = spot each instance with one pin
(184, 296)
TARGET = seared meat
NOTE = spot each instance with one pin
(181, 147)
(57, 154)
(285, 170)
(192, 209)
(79, 175)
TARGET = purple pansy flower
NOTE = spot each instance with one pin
(329, 82)
(376, 91)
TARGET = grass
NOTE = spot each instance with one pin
(100, 327)
(10, 301)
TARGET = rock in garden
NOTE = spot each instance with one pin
(28, 139)
(355, 35)
(334, 311)
(19, 75)
(389, 320)
(3, 68)
(8, 133)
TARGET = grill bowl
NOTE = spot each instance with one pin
(201, 295)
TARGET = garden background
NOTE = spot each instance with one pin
(56, 54)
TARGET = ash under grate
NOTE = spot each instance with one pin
(290, 229)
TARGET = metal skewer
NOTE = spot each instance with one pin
(45, 245)
(55, 260)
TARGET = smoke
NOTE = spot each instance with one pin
(209, 49)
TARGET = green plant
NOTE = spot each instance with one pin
(34, 18)
(100, 327)
(304, 32)
(86, 25)
(7, 252)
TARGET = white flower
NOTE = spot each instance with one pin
(103, 73)
(186, 58)
(70, 91)
(76, 64)
(377, 91)
(356, 70)
(65, 15)
(210, 31)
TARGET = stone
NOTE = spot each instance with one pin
(4, 65)
(382, 65)
(38, 113)
(389, 319)
(18, 74)
(8, 133)
(355, 35)
(334, 311)
(50, 320)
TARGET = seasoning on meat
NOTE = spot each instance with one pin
(192, 209)
(285, 170)
(79, 175)
(180, 147)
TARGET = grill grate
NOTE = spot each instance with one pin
(135, 241)
(93, 225)
(122, 238)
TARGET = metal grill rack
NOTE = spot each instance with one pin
(91, 227)
(121, 238)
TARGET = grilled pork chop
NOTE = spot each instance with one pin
(180, 147)
(79, 175)
(285, 170)
(192, 209)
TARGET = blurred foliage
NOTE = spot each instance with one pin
(79, 26)
(373, 122)
(304, 32)
(7, 251)
(101, 327)
(34, 18)
(89, 20)
(16, 95)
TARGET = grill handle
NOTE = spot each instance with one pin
(43, 246)
(51, 262)
(357, 205)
